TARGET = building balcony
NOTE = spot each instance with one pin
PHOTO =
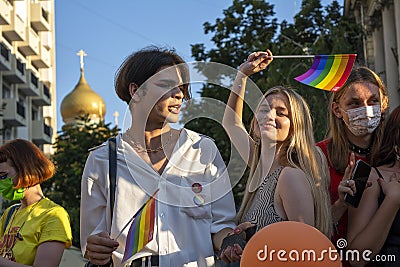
(5, 12)
(14, 112)
(5, 55)
(39, 17)
(47, 39)
(30, 46)
(44, 98)
(16, 74)
(16, 31)
(43, 59)
(46, 76)
(31, 86)
(41, 132)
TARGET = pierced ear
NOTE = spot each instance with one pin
(336, 110)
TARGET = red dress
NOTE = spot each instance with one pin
(336, 178)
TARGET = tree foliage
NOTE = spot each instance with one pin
(72, 145)
(248, 26)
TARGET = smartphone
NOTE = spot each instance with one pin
(250, 232)
(360, 176)
(231, 240)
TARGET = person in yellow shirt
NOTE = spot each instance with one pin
(35, 231)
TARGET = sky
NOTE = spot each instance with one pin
(109, 31)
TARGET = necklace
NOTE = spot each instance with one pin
(9, 254)
(148, 150)
(360, 150)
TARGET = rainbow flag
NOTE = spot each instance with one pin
(328, 72)
(142, 228)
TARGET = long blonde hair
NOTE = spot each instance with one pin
(338, 148)
(297, 151)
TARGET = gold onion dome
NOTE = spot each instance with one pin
(82, 101)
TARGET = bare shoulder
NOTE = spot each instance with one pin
(289, 174)
(373, 175)
(292, 177)
(374, 187)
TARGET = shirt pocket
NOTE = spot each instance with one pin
(195, 198)
(203, 212)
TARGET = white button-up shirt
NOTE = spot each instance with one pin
(185, 218)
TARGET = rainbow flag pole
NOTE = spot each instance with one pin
(294, 56)
(328, 72)
(141, 231)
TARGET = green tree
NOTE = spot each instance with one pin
(248, 26)
(71, 147)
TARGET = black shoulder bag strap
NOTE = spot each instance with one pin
(112, 165)
(112, 173)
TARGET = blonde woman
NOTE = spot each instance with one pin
(289, 182)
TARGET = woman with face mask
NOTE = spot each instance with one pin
(357, 113)
(35, 231)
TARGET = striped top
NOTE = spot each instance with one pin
(262, 210)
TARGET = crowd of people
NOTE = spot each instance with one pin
(291, 176)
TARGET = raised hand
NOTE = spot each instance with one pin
(347, 186)
(256, 61)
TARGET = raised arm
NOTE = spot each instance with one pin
(232, 120)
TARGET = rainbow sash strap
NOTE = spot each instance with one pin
(328, 72)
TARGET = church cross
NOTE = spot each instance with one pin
(81, 54)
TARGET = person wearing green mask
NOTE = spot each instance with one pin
(35, 231)
(7, 189)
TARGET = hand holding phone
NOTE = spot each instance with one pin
(230, 240)
(360, 177)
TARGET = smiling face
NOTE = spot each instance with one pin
(273, 118)
(164, 96)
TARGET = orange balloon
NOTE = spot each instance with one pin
(290, 243)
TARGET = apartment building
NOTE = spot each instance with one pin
(27, 72)
(381, 22)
